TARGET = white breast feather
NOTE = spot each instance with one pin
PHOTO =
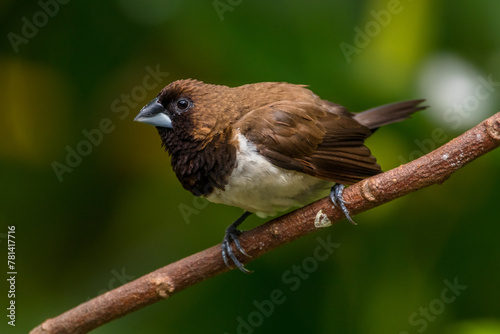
(258, 186)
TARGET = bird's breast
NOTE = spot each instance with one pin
(258, 186)
(201, 167)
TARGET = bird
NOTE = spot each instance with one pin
(265, 147)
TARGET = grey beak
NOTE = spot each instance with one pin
(154, 114)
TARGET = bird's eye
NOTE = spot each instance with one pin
(182, 104)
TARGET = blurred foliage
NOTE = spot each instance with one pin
(116, 215)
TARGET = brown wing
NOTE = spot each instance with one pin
(317, 139)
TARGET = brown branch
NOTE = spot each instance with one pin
(433, 168)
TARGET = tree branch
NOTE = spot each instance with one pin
(433, 168)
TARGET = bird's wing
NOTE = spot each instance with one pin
(317, 139)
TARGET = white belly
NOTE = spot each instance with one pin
(258, 186)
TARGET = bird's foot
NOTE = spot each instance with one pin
(232, 234)
(336, 195)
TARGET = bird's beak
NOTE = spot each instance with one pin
(154, 113)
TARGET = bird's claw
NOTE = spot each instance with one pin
(336, 195)
(232, 235)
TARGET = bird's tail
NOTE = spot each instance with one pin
(389, 113)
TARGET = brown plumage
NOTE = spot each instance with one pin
(266, 146)
(291, 126)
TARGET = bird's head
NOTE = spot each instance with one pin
(190, 110)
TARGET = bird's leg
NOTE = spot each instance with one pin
(338, 200)
(232, 234)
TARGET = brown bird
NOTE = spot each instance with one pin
(265, 147)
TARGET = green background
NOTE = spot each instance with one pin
(116, 215)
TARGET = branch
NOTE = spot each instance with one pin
(433, 168)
